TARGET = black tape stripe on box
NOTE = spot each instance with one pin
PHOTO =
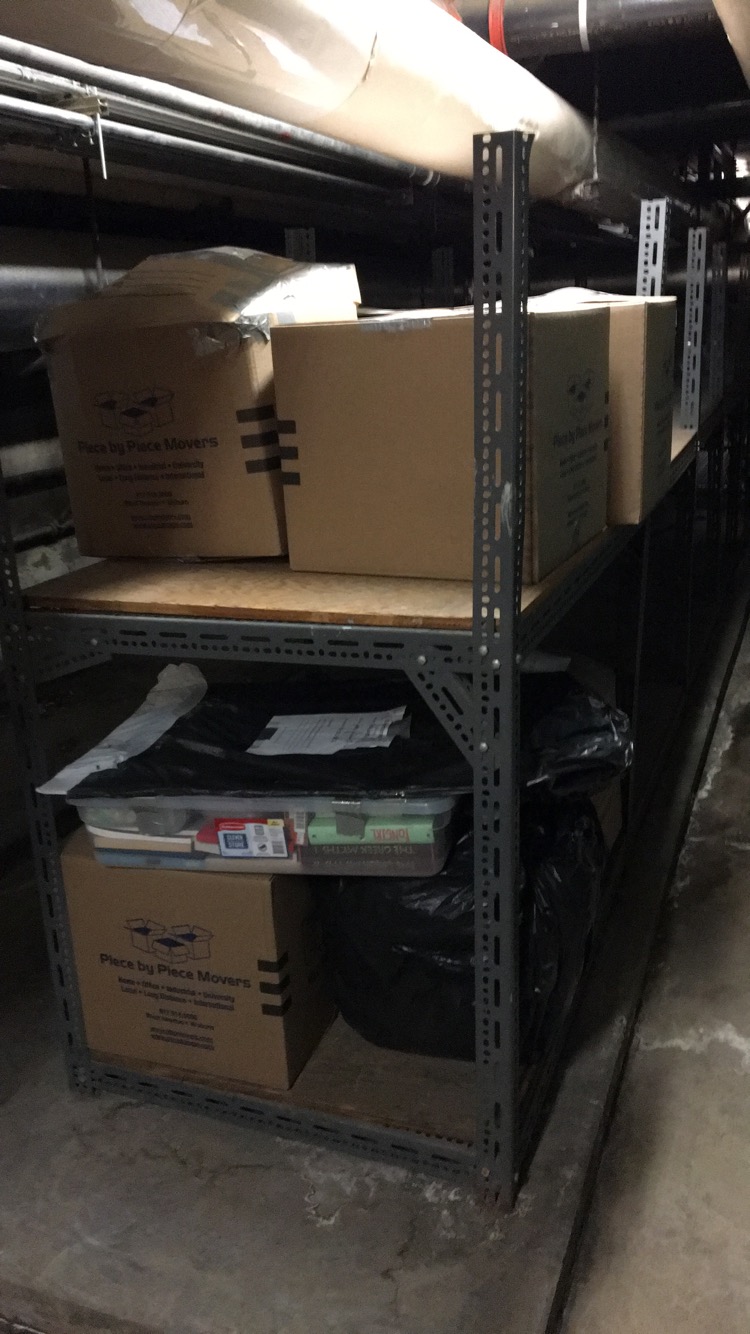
(276, 988)
(255, 441)
(279, 1010)
(262, 414)
(288, 452)
(290, 479)
(274, 966)
(288, 427)
(263, 465)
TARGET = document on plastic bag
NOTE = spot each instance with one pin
(327, 733)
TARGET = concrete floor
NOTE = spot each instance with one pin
(116, 1218)
(112, 1213)
(667, 1243)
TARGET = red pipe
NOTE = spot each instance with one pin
(496, 24)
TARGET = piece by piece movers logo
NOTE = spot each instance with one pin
(136, 410)
(579, 390)
(175, 943)
(169, 949)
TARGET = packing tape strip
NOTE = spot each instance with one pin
(271, 464)
(260, 440)
(260, 414)
(583, 24)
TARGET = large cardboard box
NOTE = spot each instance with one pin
(378, 453)
(219, 976)
(163, 390)
(642, 335)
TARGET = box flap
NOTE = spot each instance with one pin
(225, 285)
(571, 298)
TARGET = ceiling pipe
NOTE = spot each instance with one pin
(719, 121)
(35, 71)
(396, 77)
(529, 29)
(287, 193)
(735, 16)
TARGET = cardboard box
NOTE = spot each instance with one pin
(205, 974)
(642, 336)
(163, 390)
(378, 452)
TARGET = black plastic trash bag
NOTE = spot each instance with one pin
(205, 752)
(400, 956)
(571, 740)
(401, 952)
(563, 857)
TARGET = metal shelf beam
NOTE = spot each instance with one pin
(423, 1153)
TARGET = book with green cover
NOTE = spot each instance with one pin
(323, 829)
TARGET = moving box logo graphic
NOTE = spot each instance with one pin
(137, 411)
(174, 943)
(579, 389)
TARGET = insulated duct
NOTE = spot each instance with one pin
(400, 77)
(528, 29)
(735, 16)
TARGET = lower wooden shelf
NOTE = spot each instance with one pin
(347, 1076)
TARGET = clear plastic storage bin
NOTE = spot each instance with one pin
(308, 835)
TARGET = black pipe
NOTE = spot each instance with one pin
(270, 137)
(528, 29)
(687, 125)
(334, 198)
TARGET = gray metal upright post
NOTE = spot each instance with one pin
(501, 163)
(299, 244)
(718, 321)
(443, 276)
(652, 246)
(695, 295)
(19, 672)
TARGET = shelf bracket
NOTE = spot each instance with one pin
(450, 698)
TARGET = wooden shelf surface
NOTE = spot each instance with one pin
(347, 1076)
(256, 591)
(269, 590)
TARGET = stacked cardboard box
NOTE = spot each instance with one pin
(163, 390)
(642, 334)
(378, 452)
(212, 977)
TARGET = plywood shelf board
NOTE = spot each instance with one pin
(271, 591)
(347, 1076)
(257, 591)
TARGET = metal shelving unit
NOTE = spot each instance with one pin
(468, 671)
